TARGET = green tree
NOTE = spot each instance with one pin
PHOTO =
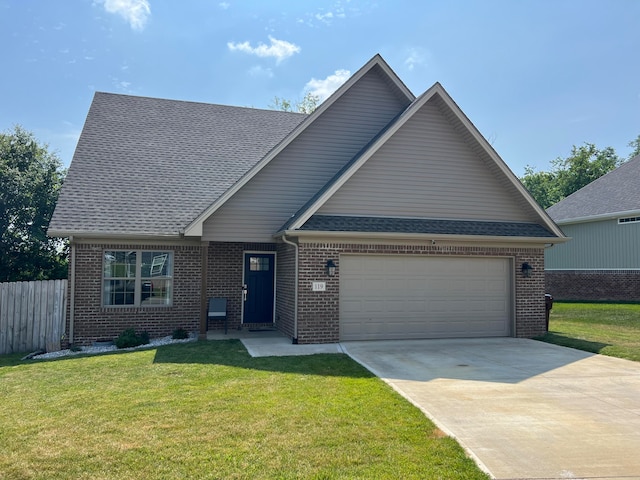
(542, 186)
(635, 144)
(281, 104)
(585, 164)
(30, 180)
(308, 104)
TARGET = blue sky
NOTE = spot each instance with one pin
(535, 77)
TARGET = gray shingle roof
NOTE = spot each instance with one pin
(334, 223)
(149, 166)
(617, 191)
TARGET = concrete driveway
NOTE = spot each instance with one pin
(521, 408)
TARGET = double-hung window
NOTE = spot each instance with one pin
(137, 278)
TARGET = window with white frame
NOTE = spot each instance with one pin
(137, 278)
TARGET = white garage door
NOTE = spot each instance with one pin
(398, 297)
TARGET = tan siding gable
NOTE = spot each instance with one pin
(428, 170)
(283, 186)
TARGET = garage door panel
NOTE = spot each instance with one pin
(373, 306)
(350, 306)
(416, 306)
(495, 286)
(395, 297)
(351, 284)
(395, 306)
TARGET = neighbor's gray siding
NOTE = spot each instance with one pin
(269, 199)
(596, 245)
(427, 169)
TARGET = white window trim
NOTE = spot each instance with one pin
(137, 295)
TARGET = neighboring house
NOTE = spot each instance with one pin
(602, 261)
(378, 216)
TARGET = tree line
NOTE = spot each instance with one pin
(30, 180)
(585, 164)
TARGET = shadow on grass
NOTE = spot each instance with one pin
(233, 354)
(572, 342)
(229, 353)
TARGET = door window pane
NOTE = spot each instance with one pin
(259, 264)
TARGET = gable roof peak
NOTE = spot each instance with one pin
(375, 61)
(460, 121)
(194, 228)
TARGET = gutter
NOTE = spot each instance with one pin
(425, 237)
(600, 217)
(295, 289)
(72, 290)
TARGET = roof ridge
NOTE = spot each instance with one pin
(197, 102)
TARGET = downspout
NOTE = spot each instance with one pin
(204, 269)
(72, 289)
(295, 289)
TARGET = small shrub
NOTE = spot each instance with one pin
(180, 334)
(129, 338)
(144, 336)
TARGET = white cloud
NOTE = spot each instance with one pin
(279, 49)
(121, 85)
(415, 56)
(324, 88)
(224, 5)
(136, 12)
(326, 17)
(258, 71)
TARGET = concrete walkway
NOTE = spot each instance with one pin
(521, 408)
(271, 343)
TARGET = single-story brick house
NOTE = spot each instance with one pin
(601, 263)
(378, 216)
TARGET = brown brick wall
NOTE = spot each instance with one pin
(93, 322)
(224, 277)
(285, 289)
(318, 312)
(594, 285)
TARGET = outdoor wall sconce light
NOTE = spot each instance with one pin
(331, 268)
(526, 270)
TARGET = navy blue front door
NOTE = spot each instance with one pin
(259, 271)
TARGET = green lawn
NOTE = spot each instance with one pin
(208, 410)
(610, 329)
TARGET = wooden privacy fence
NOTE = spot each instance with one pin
(32, 315)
